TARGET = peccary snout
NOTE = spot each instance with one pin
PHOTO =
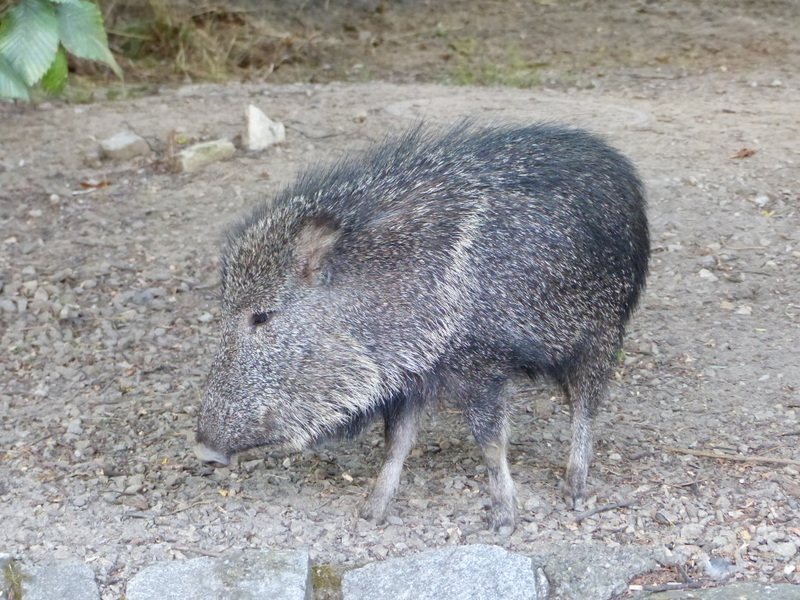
(439, 265)
(209, 456)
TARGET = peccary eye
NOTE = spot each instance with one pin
(260, 318)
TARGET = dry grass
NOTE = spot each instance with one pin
(159, 41)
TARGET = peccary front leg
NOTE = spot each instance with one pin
(402, 421)
(501, 487)
(487, 419)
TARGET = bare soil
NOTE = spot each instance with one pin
(108, 315)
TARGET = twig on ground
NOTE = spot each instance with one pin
(641, 454)
(693, 585)
(752, 459)
(43, 438)
(198, 551)
(599, 509)
(684, 575)
(187, 507)
(320, 136)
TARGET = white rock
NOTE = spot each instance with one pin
(706, 274)
(761, 201)
(123, 146)
(261, 131)
(198, 156)
(786, 548)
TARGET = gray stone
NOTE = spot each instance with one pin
(261, 131)
(123, 146)
(246, 575)
(594, 571)
(733, 591)
(476, 572)
(68, 581)
(196, 157)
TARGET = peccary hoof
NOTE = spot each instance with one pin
(575, 504)
(504, 530)
(372, 514)
(573, 499)
(502, 522)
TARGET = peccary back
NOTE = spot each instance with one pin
(437, 263)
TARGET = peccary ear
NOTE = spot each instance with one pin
(314, 244)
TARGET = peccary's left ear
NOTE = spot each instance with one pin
(315, 242)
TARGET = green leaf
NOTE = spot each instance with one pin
(29, 38)
(80, 28)
(55, 79)
(11, 84)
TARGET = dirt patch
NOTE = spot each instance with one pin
(108, 325)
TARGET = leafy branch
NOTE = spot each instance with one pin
(35, 36)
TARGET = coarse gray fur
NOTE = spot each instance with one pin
(441, 263)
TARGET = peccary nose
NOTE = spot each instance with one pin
(211, 457)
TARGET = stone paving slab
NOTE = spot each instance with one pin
(476, 572)
(594, 571)
(731, 591)
(67, 581)
(246, 575)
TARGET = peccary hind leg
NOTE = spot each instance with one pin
(580, 454)
(401, 421)
(585, 389)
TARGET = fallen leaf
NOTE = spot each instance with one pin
(91, 183)
(136, 502)
(744, 153)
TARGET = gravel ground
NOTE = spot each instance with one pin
(108, 323)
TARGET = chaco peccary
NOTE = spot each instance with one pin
(438, 264)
